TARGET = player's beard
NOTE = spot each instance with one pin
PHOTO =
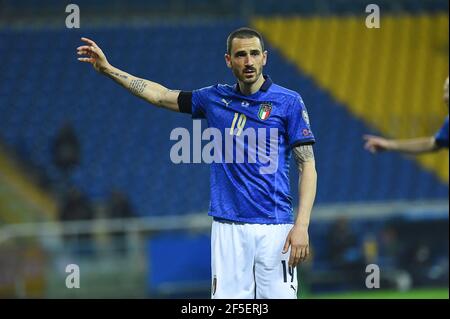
(244, 78)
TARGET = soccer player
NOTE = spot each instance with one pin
(256, 242)
(414, 145)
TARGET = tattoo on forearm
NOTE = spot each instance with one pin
(137, 86)
(303, 153)
(113, 75)
(122, 76)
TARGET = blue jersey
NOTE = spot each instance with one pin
(442, 135)
(274, 119)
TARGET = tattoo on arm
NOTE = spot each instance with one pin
(113, 75)
(303, 153)
(137, 86)
(123, 76)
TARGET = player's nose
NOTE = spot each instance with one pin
(248, 61)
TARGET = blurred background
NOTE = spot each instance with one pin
(85, 170)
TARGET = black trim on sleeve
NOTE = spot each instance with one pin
(440, 143)
(303, 142)
(185, 102)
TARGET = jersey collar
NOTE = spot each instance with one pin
(264, 87)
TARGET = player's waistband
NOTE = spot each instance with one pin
(237, 222)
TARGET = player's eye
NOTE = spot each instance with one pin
(255, 53)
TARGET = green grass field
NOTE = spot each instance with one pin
(434, 293)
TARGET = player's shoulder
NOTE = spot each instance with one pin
(287, 96)
(285, 92)
(217, 88)
(224, 88)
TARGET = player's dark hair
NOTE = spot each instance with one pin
(244, 33)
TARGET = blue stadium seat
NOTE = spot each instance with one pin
(125, 142)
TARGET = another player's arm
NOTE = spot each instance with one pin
(152, 92)
(298, 237)
(419, 145)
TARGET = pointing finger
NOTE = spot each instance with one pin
(89, 41)
(90, 60)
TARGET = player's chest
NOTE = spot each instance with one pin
(242, 114)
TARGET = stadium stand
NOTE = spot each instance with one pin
(126, 143)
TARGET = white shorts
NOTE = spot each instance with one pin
(248, 263)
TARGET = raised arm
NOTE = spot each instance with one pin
(298, 237)
(152, 92)
(419, 145)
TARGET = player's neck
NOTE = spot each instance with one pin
(248, 89)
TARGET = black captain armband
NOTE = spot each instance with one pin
(185, 102)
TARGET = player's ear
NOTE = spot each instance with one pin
(228, 60)
(264, 57)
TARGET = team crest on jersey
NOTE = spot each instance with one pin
(264, 111)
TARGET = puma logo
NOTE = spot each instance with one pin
(293, 288)
(226, 102)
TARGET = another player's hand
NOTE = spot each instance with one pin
(92, 53)
(376, 144)
(298, 240)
